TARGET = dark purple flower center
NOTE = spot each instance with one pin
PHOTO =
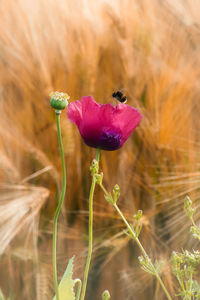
(109, 140)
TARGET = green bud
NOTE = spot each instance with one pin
(94, 168)
(59, 100)
(138, 215)
(187, 202)
(116, 193)
(177, 258)
(146, 264)
(99, 178)
(189, 211)
(195, 230)
(141, 260)
(106, 295)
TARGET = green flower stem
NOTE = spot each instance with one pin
(134, 236)
(142, 249)
(180, 280)
(190, 289)
(55, 224)
(87, 266)
(104, 190)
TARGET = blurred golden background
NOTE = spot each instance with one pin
(149, 50)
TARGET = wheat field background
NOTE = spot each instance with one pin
(151, 51)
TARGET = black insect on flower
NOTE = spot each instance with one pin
(119, 96)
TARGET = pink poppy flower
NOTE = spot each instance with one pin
(103, 126)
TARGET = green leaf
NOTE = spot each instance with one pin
(66, 286)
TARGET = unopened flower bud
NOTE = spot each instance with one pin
(189, 210)
(116, 193)
(138, 215)
(94, 167)
(141, 260)
(59, 100)
(99, 178)
(106, 295)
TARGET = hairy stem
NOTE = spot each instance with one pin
(142, 250)
(134, 236)
(87, 266)
(55, 224)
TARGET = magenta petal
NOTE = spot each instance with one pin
(106, 113)
(90, 111)
(74, 112)
(127, 118)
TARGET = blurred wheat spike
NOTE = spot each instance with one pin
(149, 50)
(20, 206)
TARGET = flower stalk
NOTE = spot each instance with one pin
(146, 261)
(94, 170)
(58, 209)
(133, 234)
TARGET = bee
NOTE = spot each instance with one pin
(119, 96)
